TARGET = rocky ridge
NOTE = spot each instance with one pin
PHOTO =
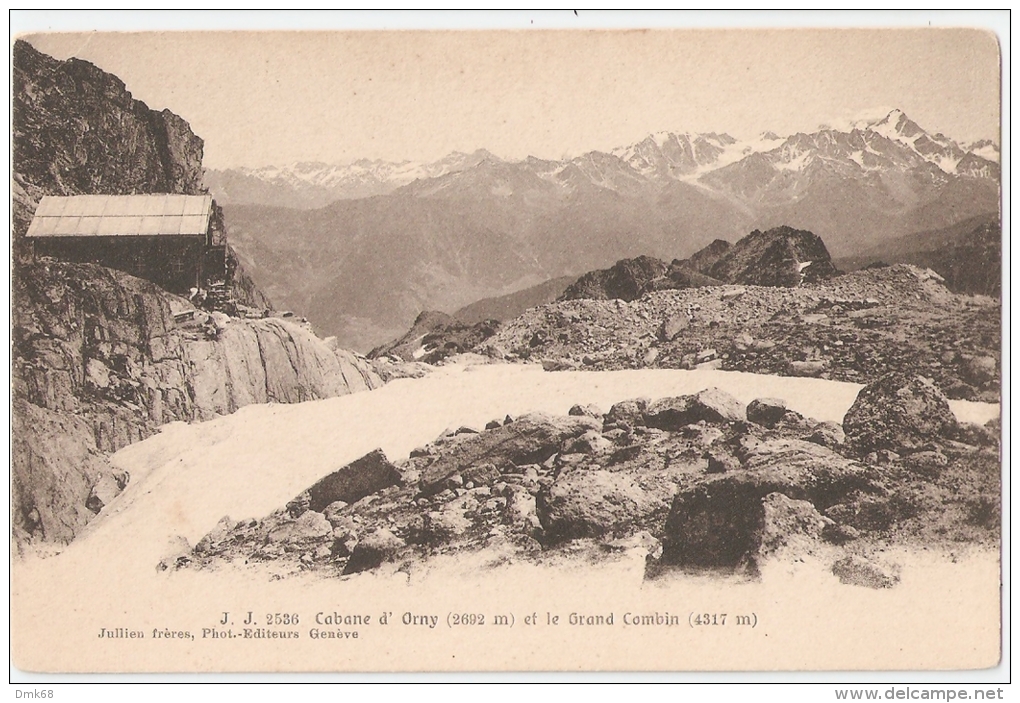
(696, 481)
(782, 256)
(853, 327)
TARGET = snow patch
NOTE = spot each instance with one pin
(987, 152)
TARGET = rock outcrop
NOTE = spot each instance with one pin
(99, 362)
(76, 129)
(435, 336)
(782, 256)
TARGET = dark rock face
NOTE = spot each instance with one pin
(899, 413)
(778, 257)
(369, 474)
(76, 129)
(720, 520)
(766, 411)
(625, 280)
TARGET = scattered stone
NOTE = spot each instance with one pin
(976, 435)
(481, 475)
(839, 534)
(628, 412)
(926, 463)
(789, 525)
(585, 503)
(827, 434)
(591, 442)
(766, 411)
(332, 512)
(980, 370)
(809, 369)
(298, 505)
(673, 326)
(857, 571)
(373, 550)
(309, 527)
(589, 410)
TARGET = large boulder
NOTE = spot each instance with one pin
(710, 405)
(530, 439)
(766, 411)
(373, 550)
(900, 413)
(601, 503)
(719, 519)
(369, 474)
(629, 413)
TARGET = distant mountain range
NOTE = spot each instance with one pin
(401, 238)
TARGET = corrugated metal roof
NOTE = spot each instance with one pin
(121, 215)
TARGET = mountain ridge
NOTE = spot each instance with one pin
(364, 268)
(659, 156)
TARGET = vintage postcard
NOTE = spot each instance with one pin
(435, 351)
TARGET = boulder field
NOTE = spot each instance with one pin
(697, 481)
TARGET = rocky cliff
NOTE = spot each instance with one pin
(99, 362)
(77, 129)
(101, 359)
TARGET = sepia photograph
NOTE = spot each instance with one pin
(524, 349)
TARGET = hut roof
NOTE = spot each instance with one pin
(121, 215)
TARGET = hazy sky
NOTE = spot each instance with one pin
(279, 97)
